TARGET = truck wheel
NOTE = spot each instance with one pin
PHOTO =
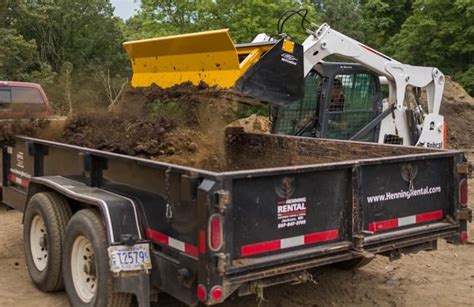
(45, 221)
(353, 263)
(87, 277)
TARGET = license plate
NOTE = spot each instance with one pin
(129, 258)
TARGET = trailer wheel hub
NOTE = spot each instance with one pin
(39, 243)
(83, 269)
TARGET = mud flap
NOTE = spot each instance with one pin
(278, 77)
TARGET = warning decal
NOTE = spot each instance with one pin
(291, 212)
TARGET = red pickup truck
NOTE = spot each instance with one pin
(23, 100)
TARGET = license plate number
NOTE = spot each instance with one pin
(129, 258)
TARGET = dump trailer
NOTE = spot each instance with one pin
(106, 226)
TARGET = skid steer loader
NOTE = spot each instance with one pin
(309, 97)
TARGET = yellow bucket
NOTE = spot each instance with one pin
(208, 56)
(205, 56)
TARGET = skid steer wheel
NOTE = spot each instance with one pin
(87, 278)
(353, 263)
(45, 221)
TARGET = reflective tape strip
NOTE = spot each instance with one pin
(270, 246)
(405, 221)
(163, 239)
(18, 180)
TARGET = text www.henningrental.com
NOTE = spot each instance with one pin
(403, 194)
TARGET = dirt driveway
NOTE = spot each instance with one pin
(441, 278)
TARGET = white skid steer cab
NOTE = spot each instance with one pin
(309, 96)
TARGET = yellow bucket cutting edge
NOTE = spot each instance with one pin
(209, 56)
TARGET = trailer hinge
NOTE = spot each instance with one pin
(465, 214)
(222, 260)
(222, 200)
(464, 168)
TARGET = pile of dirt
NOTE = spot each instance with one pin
(29, 127)
(119, 133)
(457, 107)
(458, 110)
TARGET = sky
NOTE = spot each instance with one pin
(125, 8)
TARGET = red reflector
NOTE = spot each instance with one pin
(201, 293)
(383, 225)
(216, 293)
(215, 232)
(429, 216)
(321, 236)
(260, 248)
(463, 192)
(463, 237)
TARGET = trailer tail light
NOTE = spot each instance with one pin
(463, 192)
(201, 293)
(463, 237)
(215, 232)
(216, 294)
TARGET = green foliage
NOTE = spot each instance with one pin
(382, 19)
(466, 79)
(343, 15)
(19, 59)
(245, 19)
(245, 110)
(77, 31)
(437, 33)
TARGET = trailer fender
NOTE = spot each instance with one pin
(119, 212)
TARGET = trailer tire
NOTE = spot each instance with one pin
(87, 278)
(353, 263)
(45, 221)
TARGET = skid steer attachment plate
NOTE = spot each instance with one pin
(278, 77)
(208, 56)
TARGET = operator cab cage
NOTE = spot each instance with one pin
(339, 100)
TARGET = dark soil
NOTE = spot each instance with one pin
(28, 127)
(252, 151)
(457, 107)
(460, 118)
(119, 133)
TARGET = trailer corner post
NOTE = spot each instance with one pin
(211, 262)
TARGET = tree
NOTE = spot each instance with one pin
(75, 31)
(245, 19)
(19, 59)
(382, 19)
(438, 33)
(343, 15)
